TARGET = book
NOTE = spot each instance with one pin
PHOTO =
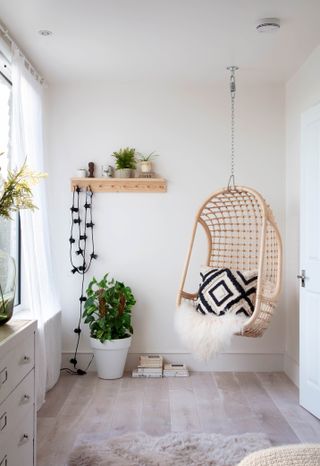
(175, 370)
(151, 360)
(175, 374)
(174, 367)
(136, 374)
(151, 371)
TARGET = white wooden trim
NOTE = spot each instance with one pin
(226, 362)
(291, 368)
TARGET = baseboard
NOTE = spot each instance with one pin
(291, 368)
(226, 362)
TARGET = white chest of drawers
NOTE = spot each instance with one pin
(17, 393)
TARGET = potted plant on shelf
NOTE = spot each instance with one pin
(107, 311)
(125, 162)
(15, 194)
(146, 162)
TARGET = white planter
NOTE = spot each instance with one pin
(110, 357)
(123, 173)
(146, 166)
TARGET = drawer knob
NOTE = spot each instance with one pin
(24, 439)
(26, 358)
(26, 398)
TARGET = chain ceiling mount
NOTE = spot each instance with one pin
(232, 69)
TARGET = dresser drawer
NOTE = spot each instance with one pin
(17, 448)
(16, 406)
(15, 365)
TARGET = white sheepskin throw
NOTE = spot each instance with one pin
(174, 449)
(206, 334)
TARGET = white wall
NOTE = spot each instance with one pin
(302, 92)
(142, 239)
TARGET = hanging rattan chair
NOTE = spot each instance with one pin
(242, 235)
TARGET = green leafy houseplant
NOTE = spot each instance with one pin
(125, 158)
(147, 157)
(108, 308)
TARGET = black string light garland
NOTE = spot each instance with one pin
(81, 232)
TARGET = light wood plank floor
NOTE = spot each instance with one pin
(227, 403)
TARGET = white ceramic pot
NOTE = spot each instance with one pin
(110, 357)
(146, 166)
(81, 173)
(123, 173)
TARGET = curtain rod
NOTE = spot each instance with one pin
(7, 37)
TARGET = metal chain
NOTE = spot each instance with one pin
(232, 70)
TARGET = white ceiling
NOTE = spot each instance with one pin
(174, 40)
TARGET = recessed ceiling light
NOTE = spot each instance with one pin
(268, 25)
(45, 32)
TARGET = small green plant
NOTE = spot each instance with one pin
(108, 308)
(147, 157)
(6, 307)
(125, 158)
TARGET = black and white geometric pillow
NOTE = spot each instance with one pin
(227, 291)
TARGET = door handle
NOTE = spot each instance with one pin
(302, 277)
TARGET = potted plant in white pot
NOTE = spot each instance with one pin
(145, 162)
(125, 162)
(107, 310)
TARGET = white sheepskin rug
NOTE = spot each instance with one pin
(206, 335)
(174, 449)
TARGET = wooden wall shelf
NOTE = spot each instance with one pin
(121, 185)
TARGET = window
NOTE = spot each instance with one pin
(9, 230)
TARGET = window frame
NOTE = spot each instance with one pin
(5, 68)
(5, 73)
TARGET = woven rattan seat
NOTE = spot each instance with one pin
(242, 235)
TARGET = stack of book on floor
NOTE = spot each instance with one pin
(175, 370)
(150, 365)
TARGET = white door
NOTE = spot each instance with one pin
(310, 262)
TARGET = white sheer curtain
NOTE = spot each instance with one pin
(39, 294)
